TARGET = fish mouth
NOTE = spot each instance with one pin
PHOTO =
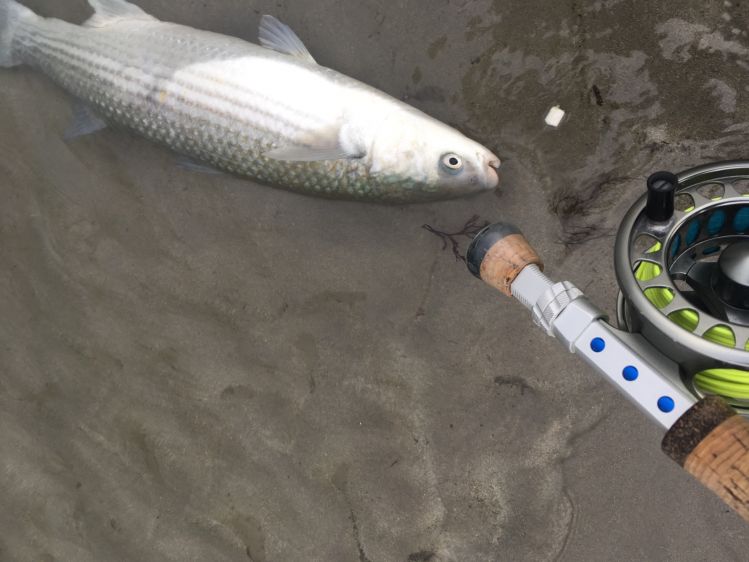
(492, 173)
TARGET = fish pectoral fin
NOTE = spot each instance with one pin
(187, 163)
(298, 153)
(333, 142)
(84, 122)
(111, 11)
(278, 36)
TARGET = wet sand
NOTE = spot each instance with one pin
(195, 367)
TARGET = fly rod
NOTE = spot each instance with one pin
(706, 436)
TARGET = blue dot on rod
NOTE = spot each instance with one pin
(597, 345)
(630, 373)
(666, 404)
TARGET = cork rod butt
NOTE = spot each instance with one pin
(498, 254)
(711, 442)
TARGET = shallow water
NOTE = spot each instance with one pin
(196, 367)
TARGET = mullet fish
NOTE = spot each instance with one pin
(267, 112)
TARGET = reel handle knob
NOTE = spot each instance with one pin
(661, 194)
(498, 254)
(711, 442)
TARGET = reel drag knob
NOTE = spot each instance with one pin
(661, 194)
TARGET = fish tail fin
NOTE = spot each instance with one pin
(11, 14)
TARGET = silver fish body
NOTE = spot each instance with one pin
(277, 117)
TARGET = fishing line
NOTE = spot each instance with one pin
(732, 384)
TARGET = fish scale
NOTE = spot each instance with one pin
(244, 109)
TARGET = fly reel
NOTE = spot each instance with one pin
(682, 262)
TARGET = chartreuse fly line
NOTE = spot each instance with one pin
(729, 383)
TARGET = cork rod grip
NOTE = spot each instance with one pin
(711, 442)
(505, 260)
(498, 254)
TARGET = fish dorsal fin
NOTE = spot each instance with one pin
(111, 11)
(278, 36)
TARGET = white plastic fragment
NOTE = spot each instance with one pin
(555, 116)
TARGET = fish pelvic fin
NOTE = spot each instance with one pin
(107, 12)
(84, 122)
(192, 165)
(276, 35)
(11, 15)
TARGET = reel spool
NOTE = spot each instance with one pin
(682, 262)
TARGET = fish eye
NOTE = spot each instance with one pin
(452, 163)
